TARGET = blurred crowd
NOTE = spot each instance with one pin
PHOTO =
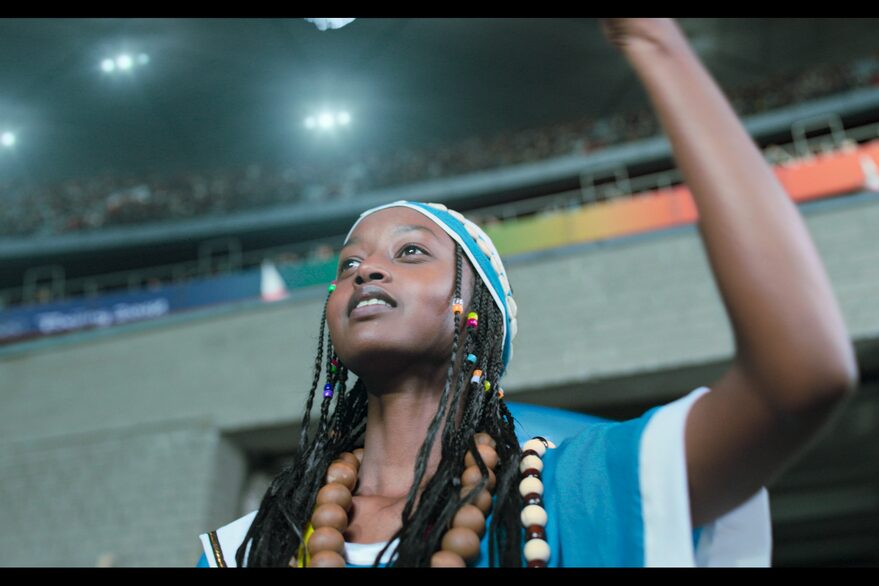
(99, 202)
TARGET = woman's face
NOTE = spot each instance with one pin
(403, 257)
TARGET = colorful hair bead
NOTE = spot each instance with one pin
(332, 286)
(457, 306)
(471, 358)
(473, 315)
(334, 365)
(487, 386)
(500, 393)
(328, 390)
(477, 376)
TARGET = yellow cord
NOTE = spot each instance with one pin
(302, 556)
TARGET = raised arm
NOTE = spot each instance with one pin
(794, 365)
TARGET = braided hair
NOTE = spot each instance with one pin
(278, 528)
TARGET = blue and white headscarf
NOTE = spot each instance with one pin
(482, 254)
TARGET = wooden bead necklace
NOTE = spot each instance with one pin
(324, 543)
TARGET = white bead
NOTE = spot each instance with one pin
(529, 485)
(438, 206)
(548, 441)
(536, 445)
(531, 462)
(514, 308)
(514, 329)
(458, 216)
(533, 515)
(496, 265)
(537, 549)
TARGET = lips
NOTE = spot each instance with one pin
(370, 292)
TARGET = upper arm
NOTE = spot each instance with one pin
(737, 442)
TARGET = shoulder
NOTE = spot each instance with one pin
(221, 545)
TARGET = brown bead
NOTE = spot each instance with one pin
(358, 453)
(472, 476)
(530, 472)
(342, 473)
(535, 532)
(326, 538)
(463, 542)
(350, 459)
(330, 515)
(447, 559)
(483, 499)
(326, 559)
(537, 564)
(529, 453)
(483, 439)
(532, 498)
(489, 456)
(470, 517)
(334, 493)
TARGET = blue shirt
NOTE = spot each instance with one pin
(594, 493)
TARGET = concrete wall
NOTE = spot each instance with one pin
(123, 442)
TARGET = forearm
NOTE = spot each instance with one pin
(788, 328)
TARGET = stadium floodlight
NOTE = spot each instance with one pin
(326, 120)
(7, 139)
(108, 65)
(343, 118)
(124, 62)
(330, 23)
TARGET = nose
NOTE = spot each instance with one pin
(369, 272)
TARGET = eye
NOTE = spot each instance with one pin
(412, 247)
(344, 266)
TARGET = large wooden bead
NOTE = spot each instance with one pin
(533, 515)
(470, 517)
(473, 476)
(487, 453)
(326, 538)
(335, 493)
(483, 439)
(463, 542)
(530, 485)
(330, 515)
(343, 473)
(537, 549)
(536, 445)
(326, 559)
(358, 453)
(483, 499)
(447, 559)
(350, 459)
(531, 462)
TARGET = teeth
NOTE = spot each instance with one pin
(366, 302)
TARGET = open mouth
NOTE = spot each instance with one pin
(372, 307)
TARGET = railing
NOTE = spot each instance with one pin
(594, 188)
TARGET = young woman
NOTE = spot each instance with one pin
(420, 464)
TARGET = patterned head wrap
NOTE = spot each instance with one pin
(482, 254)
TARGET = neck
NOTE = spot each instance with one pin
(399, 413)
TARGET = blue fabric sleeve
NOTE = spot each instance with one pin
(593, 496)
(202, 562)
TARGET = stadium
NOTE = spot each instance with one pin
(174, 195)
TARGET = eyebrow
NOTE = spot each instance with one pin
(398, 230)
